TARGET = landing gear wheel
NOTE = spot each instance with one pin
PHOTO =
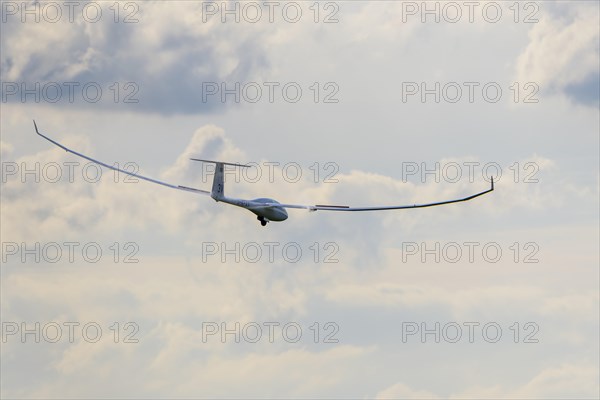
(263, 222)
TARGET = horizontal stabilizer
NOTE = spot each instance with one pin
(220, 162)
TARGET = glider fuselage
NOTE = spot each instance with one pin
(258, 207)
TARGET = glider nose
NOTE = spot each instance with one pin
(282, 215)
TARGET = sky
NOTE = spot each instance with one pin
(113, 287)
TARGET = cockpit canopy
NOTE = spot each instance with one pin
(265, 200)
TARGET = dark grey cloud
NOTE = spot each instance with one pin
(159, 64)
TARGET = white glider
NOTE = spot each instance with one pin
(265, 209)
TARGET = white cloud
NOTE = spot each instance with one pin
(563, 51)
(402, 391)
(559, 382)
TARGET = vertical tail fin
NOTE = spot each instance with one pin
(218, 187)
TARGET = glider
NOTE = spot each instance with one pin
(265, 209)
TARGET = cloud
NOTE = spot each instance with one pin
(558, 382)
(567, 380)
(402, 391)
(564, 381)
(5, 149)
(562, 54)
(161, 61)
(370, 290)
(170, 296)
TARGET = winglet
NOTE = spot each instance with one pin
(56, 143)
(492, 178)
